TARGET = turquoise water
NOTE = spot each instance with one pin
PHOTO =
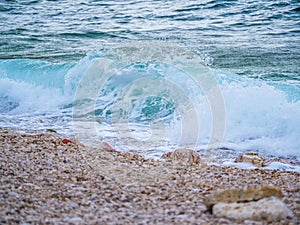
(251, 49)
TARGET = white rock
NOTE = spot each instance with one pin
(76, 220)
(13, 194)
(73, 205)
(267, 209)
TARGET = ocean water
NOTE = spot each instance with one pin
(221, 77)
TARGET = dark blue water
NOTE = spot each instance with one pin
(250, 48)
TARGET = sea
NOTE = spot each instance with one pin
(221, 77)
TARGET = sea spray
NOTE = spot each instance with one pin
(260, 115)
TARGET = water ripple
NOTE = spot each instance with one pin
(220, 28)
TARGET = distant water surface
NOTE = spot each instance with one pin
(254, 38)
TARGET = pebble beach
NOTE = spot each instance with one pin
(45, 180)
(109, 110)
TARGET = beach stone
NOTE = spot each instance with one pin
(251, 157)
(183, 155)
(280, 160)
(107, 147)
(269, 209)
(76, 220)
(242, 195)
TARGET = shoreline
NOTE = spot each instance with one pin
(46, 180)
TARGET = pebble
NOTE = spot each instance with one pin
(267, 209)
(109, 185)
(73, 205)
(251, 157)
(76, 220)
(242, 195)
(13, 194)
(183, 155)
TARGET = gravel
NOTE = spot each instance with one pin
(46, 181)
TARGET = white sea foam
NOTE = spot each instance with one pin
(259, 116)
